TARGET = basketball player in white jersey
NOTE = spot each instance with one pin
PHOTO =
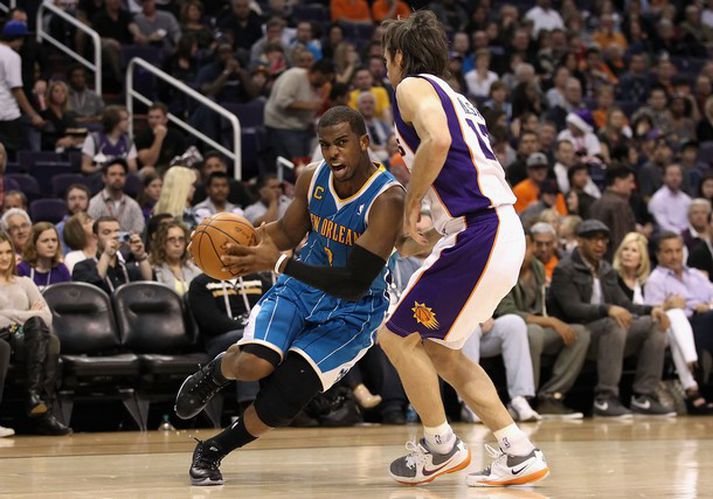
(474, 264)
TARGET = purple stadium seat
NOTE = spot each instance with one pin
(133, 185)
(11, 185)
(61, 181)
(26, 183)
(43, 171)
(48, 210)
(27, 159)
(250, 114)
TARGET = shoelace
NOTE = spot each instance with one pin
(206, 462)
(415, 455)
(496, 455)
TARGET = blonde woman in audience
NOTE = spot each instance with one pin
(80, 238)
(170, 258)
(632, 263)
(568, 233)
(552, 217)
(42, 257)
(177, 193)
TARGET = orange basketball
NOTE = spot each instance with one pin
(210, 238)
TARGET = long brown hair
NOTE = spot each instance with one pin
(158, 243)
(30, 253)
(73, 232)
(421, 39)
(5, 238)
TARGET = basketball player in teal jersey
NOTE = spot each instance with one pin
(321, 316)
(474, 264)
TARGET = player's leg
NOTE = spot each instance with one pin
(272, 325)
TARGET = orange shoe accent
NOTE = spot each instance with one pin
(531, 478)
(460, 467)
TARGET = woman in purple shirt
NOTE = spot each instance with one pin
(41, 257)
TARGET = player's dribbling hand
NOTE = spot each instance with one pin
(411, 218)
(242, 260)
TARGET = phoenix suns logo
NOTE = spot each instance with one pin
(425, 315)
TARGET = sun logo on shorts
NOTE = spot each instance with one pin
(425, 315)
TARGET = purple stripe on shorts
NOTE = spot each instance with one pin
(434, 303)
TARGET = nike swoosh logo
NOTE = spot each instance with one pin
(602, 407)
(645, 405)
(517, 472)
(429, 472)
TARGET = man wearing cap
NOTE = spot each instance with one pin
(580, 133)
(613, 208)
(585, 290)
(12, 97)
(528, 191)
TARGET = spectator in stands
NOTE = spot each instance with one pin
(694, 29)
(608, 35)
(58, 119)
(170, 258)
(650, 175)
(528, 191)
(158, 26)
(616, 132)
(567, 234)
(13, 100)
(243, 25)
(192, 24)
(14, 199)
(633, 265)
(274, 35)
(80, 239)
(176, 196)
(292, 106)
(613, 207)
(669, 205)
(17, 224)
(113, 142)
(85, 103)
(697, 229)
(693, 168)
(506, 336)
(529, 144)
(555, 96)
(350, 11)
(116, 28)
(544, 239)
(110, 269)
(572, 103)
(225, 79)
(213, 161)
(377, 130)
(547, 336)
(26, 318)
(705, 190)
(111, 201)
(704, 129)
(218, 189)
(581, 134)
(544, 17)
(581, 185)
(159, 144)
(389, 9)
(364, 82)
(42, 257)
(346, 62)
(150, 193)
(701, 256)
(304, 37)
(480, 78)
(76, 198)
(585, 291)
(566, 159)
(450, 13)
(272, 204)
(548, 196)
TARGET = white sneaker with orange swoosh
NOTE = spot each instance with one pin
(510, 470)
(421, 465)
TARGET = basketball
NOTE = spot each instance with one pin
(210, 238)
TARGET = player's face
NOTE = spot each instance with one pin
(393, 67)
(342, 149)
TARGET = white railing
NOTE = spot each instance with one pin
(95, 66)
(132, 94)
(6, 8)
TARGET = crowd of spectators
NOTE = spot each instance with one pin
(601, 114)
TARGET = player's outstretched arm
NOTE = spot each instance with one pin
(420, 106)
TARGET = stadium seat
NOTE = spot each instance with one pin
(43, 171)
(310, 12)
(27, 159)
(61, 181)
(11, 185)
(14, 167)
(133, 185)
(705, 152)
(250, 114)
(50, 210)
(94, 364)
(152, 323)
(26, 183)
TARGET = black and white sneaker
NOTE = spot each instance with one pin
(205, 468)
(646, 405)
(551, 406)
(610, 407)
(510, 470)
(198, 388)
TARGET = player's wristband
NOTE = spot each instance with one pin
(279, 261)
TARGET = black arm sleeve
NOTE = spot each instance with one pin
(350, 282)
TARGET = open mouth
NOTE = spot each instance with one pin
(338, 167)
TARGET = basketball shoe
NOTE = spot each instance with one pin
(421, 465)
(205, 468)
(510, 470)
(198, 389)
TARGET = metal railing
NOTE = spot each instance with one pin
(95, 66)
(132, 94)
(6, 8)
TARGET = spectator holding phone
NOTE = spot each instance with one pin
(111, 269)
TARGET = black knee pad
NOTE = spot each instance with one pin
(293, 384)
(262, 352)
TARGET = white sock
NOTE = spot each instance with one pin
(513, 441)
(439, 439)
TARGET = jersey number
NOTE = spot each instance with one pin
(483, 133)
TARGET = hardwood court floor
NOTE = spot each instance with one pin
(640, 458)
